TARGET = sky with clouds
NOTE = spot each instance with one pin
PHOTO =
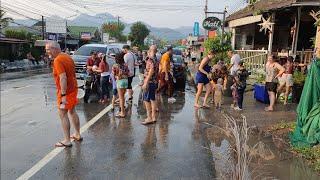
(158, 13)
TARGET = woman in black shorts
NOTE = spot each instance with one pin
(273, 71)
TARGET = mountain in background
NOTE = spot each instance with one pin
(99, 19)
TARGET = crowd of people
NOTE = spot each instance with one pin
(155, 77)
(214, 79)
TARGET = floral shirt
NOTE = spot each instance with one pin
(120, 71)
(152, 64)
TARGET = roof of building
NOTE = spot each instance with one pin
(267, 5)
(75, 31)
(12, 40)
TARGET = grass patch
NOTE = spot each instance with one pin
(312, 154)
(284, 125)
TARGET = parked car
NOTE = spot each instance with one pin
(83, 53)
(80, 57)
(179, 71)
(177, 51)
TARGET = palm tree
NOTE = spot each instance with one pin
(4, 21)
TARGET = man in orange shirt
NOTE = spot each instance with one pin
(67, 90)
(165, 77)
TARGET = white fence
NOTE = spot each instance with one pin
(253, 59)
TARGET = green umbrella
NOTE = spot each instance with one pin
(307, 132)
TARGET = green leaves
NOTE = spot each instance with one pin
(221, 48)
(138, 33)
(115, 30)
(299, 77)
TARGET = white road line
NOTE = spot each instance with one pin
(46, 159)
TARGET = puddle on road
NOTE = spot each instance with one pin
(268, 162)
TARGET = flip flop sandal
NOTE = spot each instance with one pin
(76, 139)
(197, 107)
(62, 145)
(120, 116)
(206, 106)
(147, 122)
(268, 110)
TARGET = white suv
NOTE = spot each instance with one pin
(81, 56)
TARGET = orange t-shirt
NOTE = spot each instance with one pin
(165, 62)
(63, 63)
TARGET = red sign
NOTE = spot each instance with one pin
(86, 36)
(212, 34)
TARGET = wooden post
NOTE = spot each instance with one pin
(296, 32)
(271, 33)
(318, 41)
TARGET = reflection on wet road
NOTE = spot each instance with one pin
(180, 145)
(29, 122)
(124, 149)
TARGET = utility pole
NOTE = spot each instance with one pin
(205, 15)
(118, 21)
(223, 21)
(65, 37)
(42, 23)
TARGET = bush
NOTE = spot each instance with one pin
(299, 77)
(221, 48)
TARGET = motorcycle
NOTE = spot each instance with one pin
(91, 86)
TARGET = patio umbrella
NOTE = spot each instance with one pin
(307, 132)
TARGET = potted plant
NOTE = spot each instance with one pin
(298, 82)
(260, 91)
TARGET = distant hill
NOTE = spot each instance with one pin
(99, 19)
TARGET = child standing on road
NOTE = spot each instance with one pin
(114, 87)
(234, 89)
(218, 90)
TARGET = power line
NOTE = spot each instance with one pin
(13, 11)
(27, 10)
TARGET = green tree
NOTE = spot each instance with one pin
(4, 21)
(138, 33)
(18, 34)
(115, 30)
(221, 48)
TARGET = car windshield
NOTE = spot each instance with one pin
(177, 52)
(177, 59)
(86, 50)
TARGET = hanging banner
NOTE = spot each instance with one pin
(56, 26)
(85, 35)
(52, 36)
(211, 23)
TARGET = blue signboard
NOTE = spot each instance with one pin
(196, 29)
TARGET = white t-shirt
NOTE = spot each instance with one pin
(235, 60)
(130, 59)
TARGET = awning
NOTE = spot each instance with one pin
(245, 21)
(12, 41)
(41, 42)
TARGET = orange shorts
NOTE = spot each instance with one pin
(72, 100)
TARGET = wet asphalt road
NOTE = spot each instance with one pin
(113, 148)
(179, 146)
